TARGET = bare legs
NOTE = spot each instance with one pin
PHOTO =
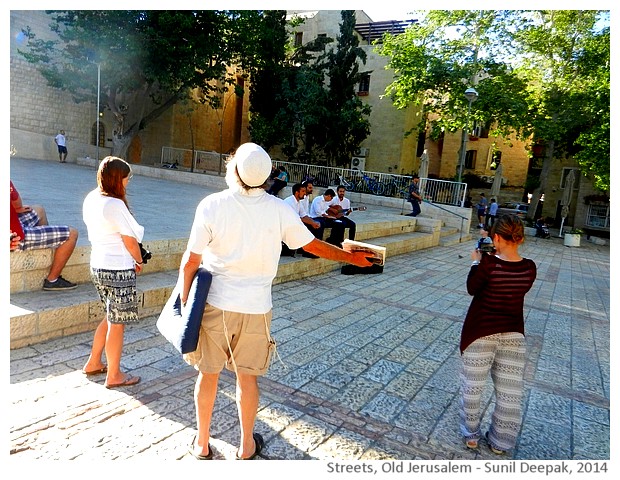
(62, 255)
(204, 398)
(247, 406)
(108, 337)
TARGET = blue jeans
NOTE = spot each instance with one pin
(415, 208)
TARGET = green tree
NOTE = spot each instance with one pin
(540, 74)
(270, 121)
(567, 62)
(444, 53)
(304, 97)
(149, 60)
(347, 124)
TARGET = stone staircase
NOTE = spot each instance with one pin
(37, 315)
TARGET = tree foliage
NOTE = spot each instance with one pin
(148, 60)
(308, 101)
(443, 54)
(540, 74)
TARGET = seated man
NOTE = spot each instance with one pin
(299, 192)
(340, 207)
(38, 234)
(279, 182)
(318, 212)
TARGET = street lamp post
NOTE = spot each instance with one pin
(471, 95)
(98, 115)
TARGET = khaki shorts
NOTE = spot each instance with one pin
(246, 334)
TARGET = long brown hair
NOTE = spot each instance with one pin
(110, 175)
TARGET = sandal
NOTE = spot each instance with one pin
(496, 451)
(259, 444)
(129, 380)
(199, 456)
(472, 444)
(103, 369)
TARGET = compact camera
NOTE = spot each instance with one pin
(146, 255)
(487, 248)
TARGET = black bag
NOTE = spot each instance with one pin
(181, 327)
(354, 269)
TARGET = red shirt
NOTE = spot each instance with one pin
(16, 225)
(499, 289)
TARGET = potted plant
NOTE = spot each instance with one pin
(572, 238)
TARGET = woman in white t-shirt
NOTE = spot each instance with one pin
(115, 260)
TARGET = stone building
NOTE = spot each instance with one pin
(38, 112)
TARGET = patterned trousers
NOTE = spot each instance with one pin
(504, 355)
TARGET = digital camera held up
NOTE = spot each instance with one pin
(146, 255)
(487, 248)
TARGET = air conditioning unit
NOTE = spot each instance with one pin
(358, 163)
(361, 152)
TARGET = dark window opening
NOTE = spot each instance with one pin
(421, 142)
(93, 134)
(299, 36)
(364, 86)
(470, 159)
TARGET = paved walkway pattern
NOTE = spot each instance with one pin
(368, 364)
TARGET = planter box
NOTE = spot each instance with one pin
(530, 231)
(572, 239)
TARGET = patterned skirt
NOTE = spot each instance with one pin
(117, 290)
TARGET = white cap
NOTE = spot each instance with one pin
(253, 164)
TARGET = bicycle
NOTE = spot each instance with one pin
(349, 186)
(368, 184)
(396, 187)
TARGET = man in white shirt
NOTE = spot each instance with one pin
(307, 200)
(236, 235)
(294, 200)
(342, 213)
(319, 212)
(61, 142)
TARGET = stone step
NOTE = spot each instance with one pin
(454, 239)
(38, 316)
(452, 236)
(29, 268)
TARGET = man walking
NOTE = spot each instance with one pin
(237, 236)
(414, 196)
(61, 142)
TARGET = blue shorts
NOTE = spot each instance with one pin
(62, 149)
(117, 291)
(41, 236)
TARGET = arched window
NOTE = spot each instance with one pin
(93, 134)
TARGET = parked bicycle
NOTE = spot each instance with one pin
(369, 185)
(349, 186)
(396, 187)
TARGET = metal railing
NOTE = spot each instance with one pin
(375, 183)
(443, 191)
(203, 161)
(463, 218)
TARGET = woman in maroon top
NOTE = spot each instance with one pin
(493, 339)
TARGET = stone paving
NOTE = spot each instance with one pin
(367, 370)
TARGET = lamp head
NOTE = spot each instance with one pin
(471, 95)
